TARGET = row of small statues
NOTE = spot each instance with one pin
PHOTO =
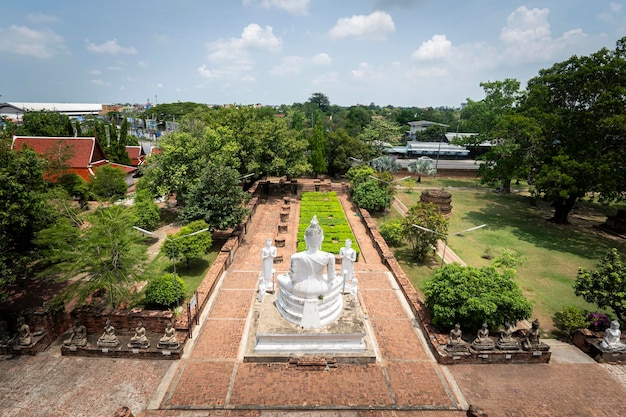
(23, 338)
(506, 340)
(109, 340)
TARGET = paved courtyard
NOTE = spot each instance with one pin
(212, 379)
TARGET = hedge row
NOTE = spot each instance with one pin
(331, 218)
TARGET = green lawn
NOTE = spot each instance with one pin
(552, 253)
(192, 276)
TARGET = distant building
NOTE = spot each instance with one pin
(15, 111)
(422, 125)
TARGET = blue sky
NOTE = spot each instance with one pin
(398, 52)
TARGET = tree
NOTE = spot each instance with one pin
(606, 285)
(217, 198)
(423, 243)
(165, 290)
(580, 105)
(24, 210)
(421, 167)
(342, 146)
(381, 130)
(319, 101)
(471, 296)
(109, 183)
(147, 212)
(385, 164)
(45, 123)
(372, 196)
(317, 146)
(109, 255)
(359, 174)
(186, 245)
(357, 119)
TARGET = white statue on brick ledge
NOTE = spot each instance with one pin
(307, 296)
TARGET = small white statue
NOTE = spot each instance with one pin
(612, 339)
(354, 286)
(348, 258)
(262, 289)
(268, 253)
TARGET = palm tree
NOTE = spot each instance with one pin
(385, 163)
(421, 167)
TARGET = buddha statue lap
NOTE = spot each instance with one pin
(78, 336)
(307, 296)
(139, 340)
(24, 336)
(168, 341)
(506, 340)
(455, 343)
(612, 341)
(108, 338)
(532, 341)
(483, 341)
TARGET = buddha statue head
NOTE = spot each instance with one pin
(314, 235)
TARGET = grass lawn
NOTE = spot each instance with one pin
(192, 276)
(552, 253)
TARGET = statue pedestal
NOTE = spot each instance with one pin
(273, 339)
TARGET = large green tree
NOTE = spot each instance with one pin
(216, 197)
(24, 210)
(317, 143)
(191, 242)
(606, 285)
(109, 255)
(45, 123)
(423, 242)
(471, 296)
(580, 104)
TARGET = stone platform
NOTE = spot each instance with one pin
(271, 338)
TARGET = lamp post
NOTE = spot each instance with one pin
(393, 184)
(173, 253)
(445, 237)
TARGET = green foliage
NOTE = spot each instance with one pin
(385, 164)
(331, 218)
(605, 286)
(108, 255)
(217, 198)
(317, 146)
(570, 319)
(580, 105)
(109, 183)
(359, 174)
(372, 196)
(422, 242)
(392, 232)
(75, 186)
(24, 210)
(45, 123)
(187, 245)
(147, 211)
(421, 167)
(472, 296)
(342, 146)
(165, 290)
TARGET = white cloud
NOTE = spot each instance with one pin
(159, 85)
(203, 71)
(367, 72)
(528, 38)
(615, 8)
(295, 7)
(143, 64)
(21, 40)
(41, 18)
(326, 78)
(97, 82)
(375, 26)
(95, 72)
(294, 64)
(114, 68)
(110, 47)
(436, 48)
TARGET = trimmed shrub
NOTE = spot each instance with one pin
(165, 290)
(570, 319)
(392, 232)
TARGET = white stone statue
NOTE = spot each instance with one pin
(612, 339)
(262, 289)
(307, 296)
(268, 253)
(354, 287)
(348, 258)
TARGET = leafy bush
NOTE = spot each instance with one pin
(109, 183)
(598, 321)
(422, 242)
(165, 290)
(371, 196)
(570, 319)
(472, 296)
(146, 210)
(391, 231)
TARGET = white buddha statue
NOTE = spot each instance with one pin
(309, 297)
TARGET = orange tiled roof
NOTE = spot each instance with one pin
(83, 154)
